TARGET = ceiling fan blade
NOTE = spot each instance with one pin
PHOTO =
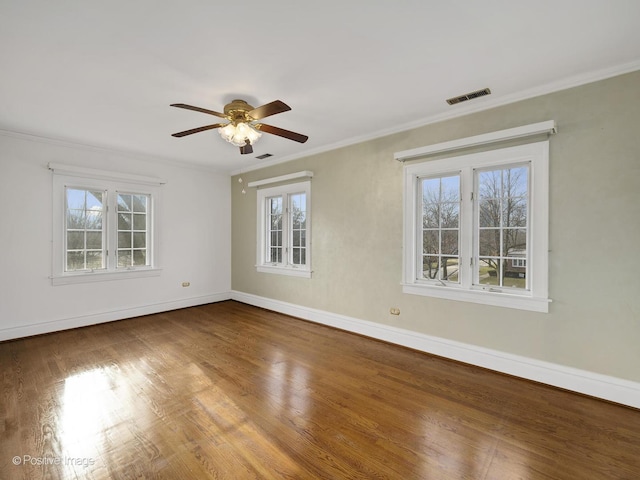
(199, 129)
(281, 132)
(198, 109)
(246, 148)
(269, 109)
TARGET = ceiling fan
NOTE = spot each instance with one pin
(242, 129)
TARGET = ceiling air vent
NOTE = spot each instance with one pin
(264, 155)
(468, 96)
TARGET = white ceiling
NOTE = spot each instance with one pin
(104, 73)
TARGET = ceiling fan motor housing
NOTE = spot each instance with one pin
(237, 111)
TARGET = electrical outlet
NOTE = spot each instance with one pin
(394, 311)
(186, 284)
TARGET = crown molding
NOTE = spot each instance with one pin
(32, 137)
(461, 110)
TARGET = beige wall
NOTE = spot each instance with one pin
(594, 264)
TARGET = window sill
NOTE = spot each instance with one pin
(497, 299)
(293, 272)
(89, 277)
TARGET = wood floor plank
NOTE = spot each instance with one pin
(229, 391)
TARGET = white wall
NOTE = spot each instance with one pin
(193, 244)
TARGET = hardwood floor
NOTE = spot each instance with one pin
(228, 391)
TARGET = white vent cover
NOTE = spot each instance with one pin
(468, 96)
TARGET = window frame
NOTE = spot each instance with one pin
(537, 156)
(111, 183)
(286, 267)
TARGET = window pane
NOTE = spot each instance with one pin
(449, 215)
(515, 273)
(490, 185)
(125, 203)
(298, 217)
(488, 271)
(75, 240)
(296, 238)
(94, 220)
(440, 222)
(276, 255)
(449, 242)
(431, 190)
(430, 266)
(94, 200)
(139, 257)
(515, 182)
(295, 202)
(124, 221)
(514, 212)
(296, 256)
(139, 240)
(431, 241)
(124, 240)
(449, 267)
(76, 219)
(83, 218)
(94, 259)
(431, 215)
(75, 199)
(303, 256)
(489, 242)
(450, 188)
(124, 258)
(276, 205)
(511, 281)
(75, 261)
(276, 222)
(139, 221)
(503, 206)
(140, 203)
(94, 240)
(490, 213)
(515, 242)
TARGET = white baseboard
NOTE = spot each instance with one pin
(109, 316)
(597, 385)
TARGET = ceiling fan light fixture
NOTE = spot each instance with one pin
(239, 134)
(242, 129)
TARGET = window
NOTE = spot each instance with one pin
(440, 252)
(476, 227)
(103, 225)
(85, 242)
(284, 230)
(133, 230)
(519, 263)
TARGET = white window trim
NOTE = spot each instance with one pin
(286, 268)
(72, 176)
(535, 299)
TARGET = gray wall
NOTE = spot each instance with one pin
(594, 267)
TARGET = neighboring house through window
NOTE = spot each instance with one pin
(476, 227)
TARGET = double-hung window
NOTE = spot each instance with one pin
(103, 225)
(284, 229)
(476, 227)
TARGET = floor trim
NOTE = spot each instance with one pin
(108, 316)
(597, 385)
